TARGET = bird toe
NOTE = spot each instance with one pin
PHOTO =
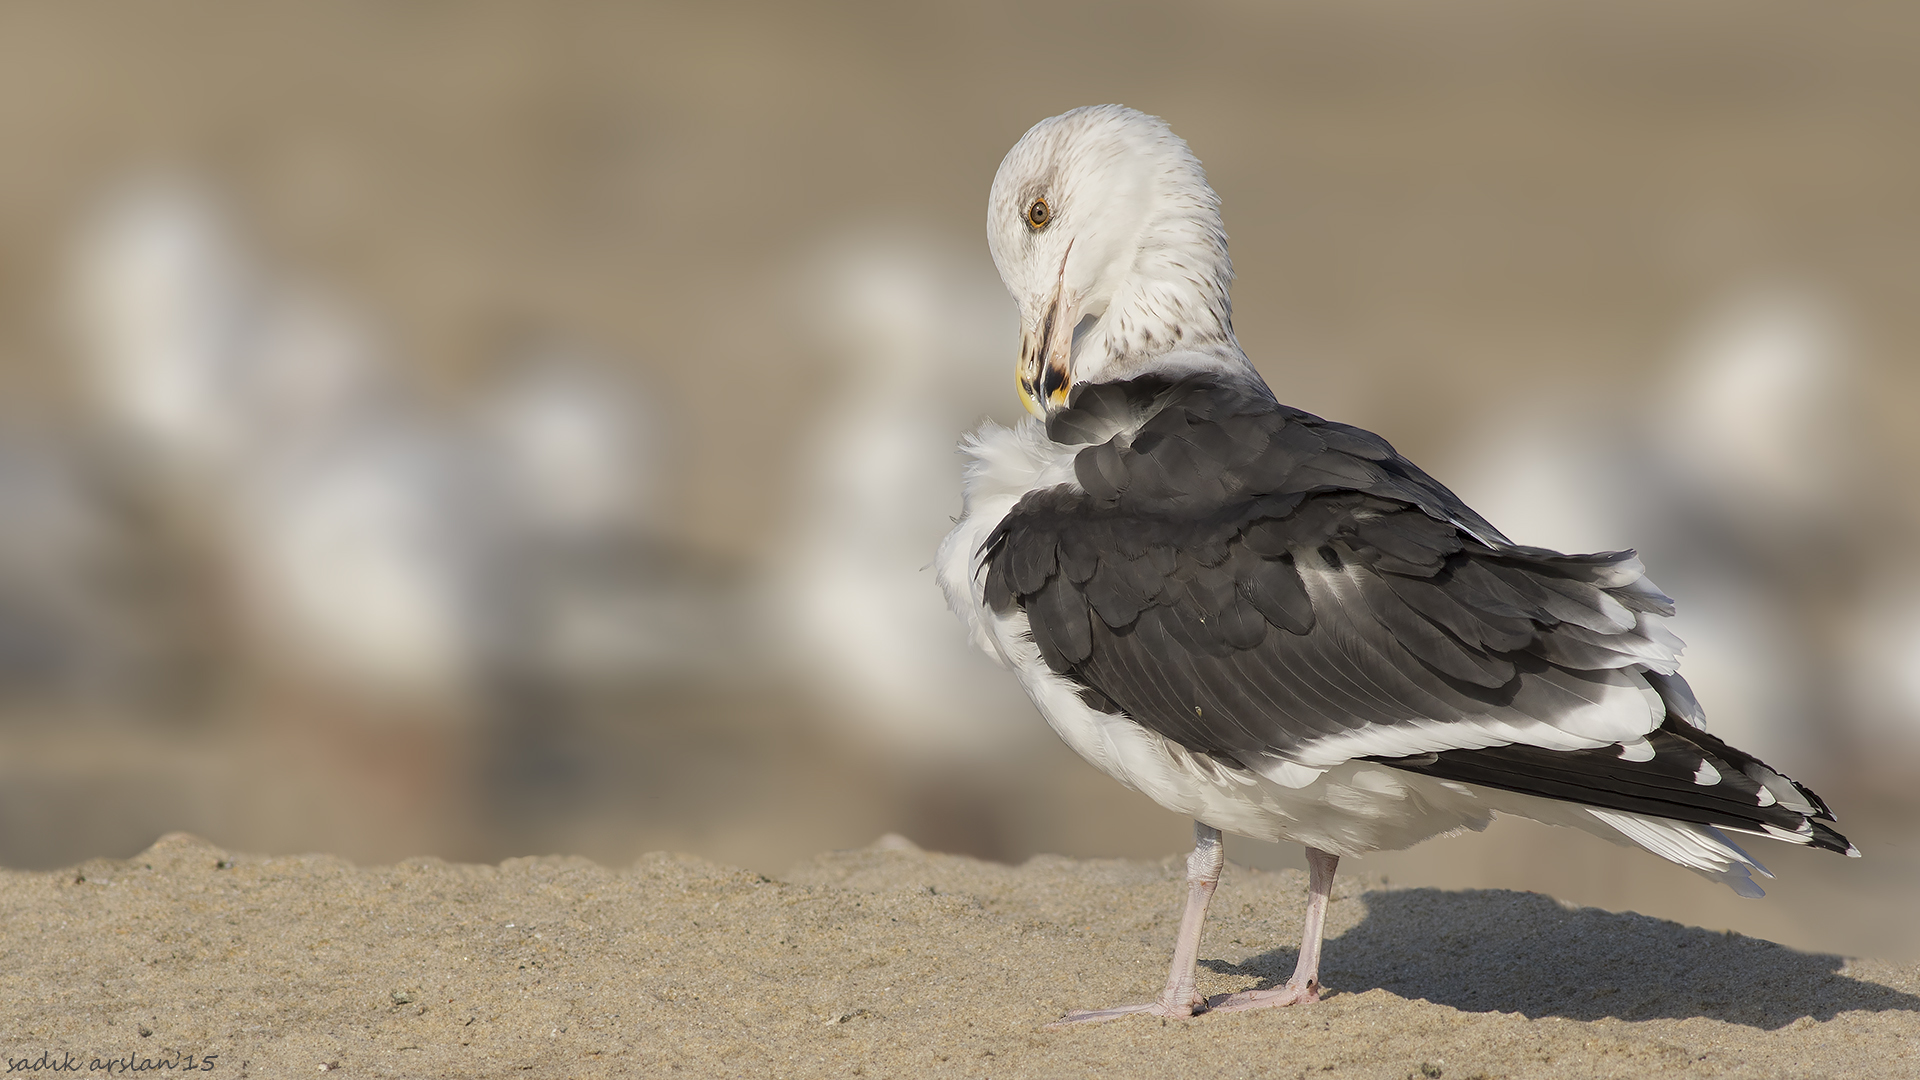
(1246, 1000)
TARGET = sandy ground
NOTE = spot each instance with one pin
(881, 962)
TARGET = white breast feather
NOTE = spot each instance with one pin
(1003, 464)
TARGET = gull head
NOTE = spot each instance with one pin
(1105, 231)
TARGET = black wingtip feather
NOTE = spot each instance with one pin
(1662, 787)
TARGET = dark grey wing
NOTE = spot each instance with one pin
(1258, 584)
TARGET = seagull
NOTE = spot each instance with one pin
(1274, 623)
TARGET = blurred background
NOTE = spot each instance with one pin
(482, 429)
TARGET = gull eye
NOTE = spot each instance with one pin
(1039, 214)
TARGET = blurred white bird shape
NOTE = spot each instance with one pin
(578, 447)
(1730, 479)
(911, 319)
(351, 520)
(604, 595)
(195, 354)
(1761, 418)
(371, 559)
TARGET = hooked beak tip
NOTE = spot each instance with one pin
(1045, 373)
(1046, 360)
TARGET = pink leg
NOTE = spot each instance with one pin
(1304, 987)
(1180, 997)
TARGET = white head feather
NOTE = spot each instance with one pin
(1105, 231)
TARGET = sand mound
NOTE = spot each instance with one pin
(882, 962)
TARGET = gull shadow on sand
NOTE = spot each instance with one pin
(1497, 951)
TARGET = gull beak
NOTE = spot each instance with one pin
(1045, 371)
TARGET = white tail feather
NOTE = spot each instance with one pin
(1697, 847)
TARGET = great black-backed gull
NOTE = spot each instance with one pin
(1275, 623)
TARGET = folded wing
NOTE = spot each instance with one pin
(1275, 590)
